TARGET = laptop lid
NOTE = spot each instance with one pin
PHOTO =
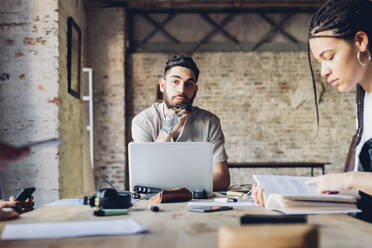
(169, 165)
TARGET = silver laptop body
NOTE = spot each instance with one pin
(169, 165)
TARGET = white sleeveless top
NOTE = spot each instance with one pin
(367, 126)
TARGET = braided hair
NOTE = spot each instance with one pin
(345, 18)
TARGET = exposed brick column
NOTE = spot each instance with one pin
(106, 57)
(29, 100)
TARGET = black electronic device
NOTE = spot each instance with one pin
(89, 200)
(24, 194)
(108, 198)
(207, 209)
(145, 189)
(200, 194)
(271, 219)
(111, 199)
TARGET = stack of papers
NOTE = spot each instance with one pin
(74, 202)
(55, 230)
(241, 203)
(66, 202)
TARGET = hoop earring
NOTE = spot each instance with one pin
(360, 61)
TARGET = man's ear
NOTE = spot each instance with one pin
(162, 84)
(196, 89)
(361, 40)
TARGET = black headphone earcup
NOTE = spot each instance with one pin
(110, 198)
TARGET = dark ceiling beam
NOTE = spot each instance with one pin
(192, 5)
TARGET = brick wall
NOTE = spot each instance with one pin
(29, 92)
(106, 57)
(264, 100)
(34, 104)
(265, 103)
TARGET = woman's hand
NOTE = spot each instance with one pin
(257, 193)
(19, 206)
(332, 183)
(7, 214)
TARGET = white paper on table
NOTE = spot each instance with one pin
(228, 204)
(54, 230)
(66, 202)
(75, 202)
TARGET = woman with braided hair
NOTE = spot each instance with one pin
(340, 39)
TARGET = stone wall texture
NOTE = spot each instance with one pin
(29, 92)
(266, 105)
(106, 53)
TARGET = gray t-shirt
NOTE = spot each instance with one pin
(201, 126)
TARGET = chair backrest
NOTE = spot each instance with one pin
(350, 159)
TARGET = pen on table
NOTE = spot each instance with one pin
(110, 212)
(234, 193)
(248, 195)
(225, 199)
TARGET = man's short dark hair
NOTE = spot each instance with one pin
(184, 61)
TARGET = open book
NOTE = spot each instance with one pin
(291, 195)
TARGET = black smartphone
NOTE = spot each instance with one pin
(24, 194)
(262, 219)
(206, 209)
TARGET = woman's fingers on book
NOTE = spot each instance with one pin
(332, 183)
(330, 192)
(261, 197)
(314, 180)
(257, 193)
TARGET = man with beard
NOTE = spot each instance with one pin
(177, 120)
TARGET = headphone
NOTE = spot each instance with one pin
(108, 198)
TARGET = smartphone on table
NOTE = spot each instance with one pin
(24, 194)
(207, 209)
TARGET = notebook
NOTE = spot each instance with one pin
(169, 165)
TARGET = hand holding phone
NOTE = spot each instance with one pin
(24, 194)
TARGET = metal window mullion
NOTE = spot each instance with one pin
(160, 26)
(222, 30)
(279, 26)
(274, 28)
(213, 32)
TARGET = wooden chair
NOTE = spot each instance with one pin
(350, 159)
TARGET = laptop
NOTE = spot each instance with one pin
(169, 165)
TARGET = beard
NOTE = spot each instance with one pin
(184, 105)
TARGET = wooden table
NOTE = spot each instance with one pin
(174, 226)
(310, 165)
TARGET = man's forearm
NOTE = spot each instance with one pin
(221, 176)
